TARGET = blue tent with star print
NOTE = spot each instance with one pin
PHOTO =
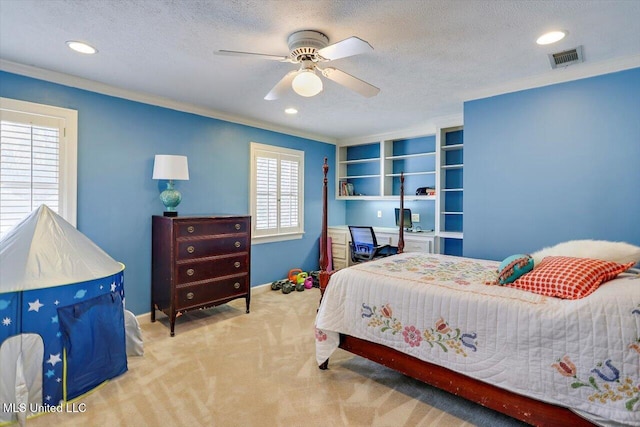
(62, 329)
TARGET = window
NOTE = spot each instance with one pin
(38, 160)
(276, 193)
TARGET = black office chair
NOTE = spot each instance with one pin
(364, 245)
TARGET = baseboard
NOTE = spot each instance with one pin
(146, 317)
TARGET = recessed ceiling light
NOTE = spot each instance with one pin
(291, 111)
(81, 47)
(551, 37)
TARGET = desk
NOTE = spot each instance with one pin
(414, 241)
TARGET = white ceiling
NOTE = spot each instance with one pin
(430, 55)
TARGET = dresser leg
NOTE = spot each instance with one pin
(248, 299)
(153, 313)
(172, 323)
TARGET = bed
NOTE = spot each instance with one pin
(442, 320)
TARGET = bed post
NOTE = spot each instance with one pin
(324, 275)
(324, 258)
(401, 232)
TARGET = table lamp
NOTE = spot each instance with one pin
(170, 167)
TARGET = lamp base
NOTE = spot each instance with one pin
(170, 199)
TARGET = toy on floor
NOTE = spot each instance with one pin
(297, 280)
(308, 282)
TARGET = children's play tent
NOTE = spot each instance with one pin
(62, 327)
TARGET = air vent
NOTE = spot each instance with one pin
(566, 58)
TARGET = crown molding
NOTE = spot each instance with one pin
(105, 89)
(555, 76)
(559, 75)
(430, 127)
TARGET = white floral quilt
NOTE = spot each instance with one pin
(582, 354)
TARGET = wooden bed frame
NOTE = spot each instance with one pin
(523, 408)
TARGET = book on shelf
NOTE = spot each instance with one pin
(346, 188)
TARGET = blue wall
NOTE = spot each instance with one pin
(552, 164)
(365, 212)
(117, 141)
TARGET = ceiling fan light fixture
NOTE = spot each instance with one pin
(307, 83)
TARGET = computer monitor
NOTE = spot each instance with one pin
(406, 222)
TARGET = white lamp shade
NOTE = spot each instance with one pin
(307, 83)
(170, 167)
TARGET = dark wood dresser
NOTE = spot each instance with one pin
(199, 262)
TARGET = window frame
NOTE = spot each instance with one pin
(68, 147)
(281, 153)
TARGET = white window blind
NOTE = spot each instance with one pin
(32, 162)
(266, 216)
(276, 192)
(289, 179)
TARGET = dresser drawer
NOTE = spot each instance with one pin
(211, 291)
(338, 251)
(207, 228)
(339, 264)
(206, 247)
(338, 237)
(418, 246)
(195, 271)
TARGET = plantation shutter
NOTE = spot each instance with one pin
(277, 202)
(288, 192)
(266, 193)
(29, 165)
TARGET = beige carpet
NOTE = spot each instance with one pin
(228, 368)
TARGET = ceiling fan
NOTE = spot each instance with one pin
(310, 48)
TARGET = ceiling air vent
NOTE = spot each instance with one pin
(566, 58)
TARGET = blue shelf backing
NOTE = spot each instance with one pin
(366, 151)
(425, 144)
(454, 138)
(452, 247)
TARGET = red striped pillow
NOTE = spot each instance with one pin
(568, 277)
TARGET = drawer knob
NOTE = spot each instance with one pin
(190, 272)
(237, 226)
(190, 249)
(190, 295)
(191, 229)
(236, 285)
(237, 244)
(236, 264)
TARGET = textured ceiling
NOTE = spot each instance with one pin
(430, 55)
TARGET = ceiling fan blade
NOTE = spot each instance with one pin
(347, 47)
(282, 86)
(252, 54)
(347, 80)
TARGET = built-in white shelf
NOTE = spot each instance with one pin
(410, 156)
(359, 176)
(412, 173)
(450, 235)
(352, 162)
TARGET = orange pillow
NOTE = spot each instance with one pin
(568, 277)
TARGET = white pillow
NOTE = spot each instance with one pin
(619, 252)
